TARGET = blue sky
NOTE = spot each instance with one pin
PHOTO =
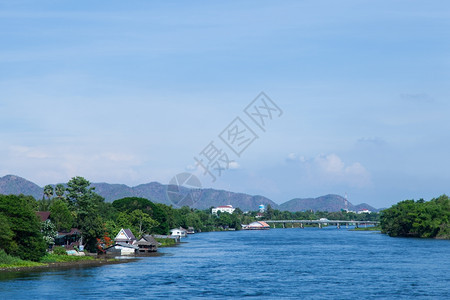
(130, 92)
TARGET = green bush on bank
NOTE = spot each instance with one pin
(8, 261)
(165, 242)
(55, 258)
(59, 250)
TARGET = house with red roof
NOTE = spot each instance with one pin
(224, 208)
(258, 225)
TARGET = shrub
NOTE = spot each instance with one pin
(59, 250)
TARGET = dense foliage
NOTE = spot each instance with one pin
(411, 218)
(20, 233)
(76, 205)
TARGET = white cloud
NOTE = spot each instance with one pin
(330, 164)
(330, 169)
(234, 165)
(292, 156)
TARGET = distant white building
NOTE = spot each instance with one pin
(364, 211)
(178, 232)
(225, 208)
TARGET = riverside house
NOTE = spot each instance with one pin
(147, 244)
(124, 243)
(127, 244)
(68, 239)
(178, 232)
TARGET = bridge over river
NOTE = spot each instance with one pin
(321, 223)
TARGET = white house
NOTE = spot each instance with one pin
(178, 232)
(122, 249)
(224, 208)
(125, 236)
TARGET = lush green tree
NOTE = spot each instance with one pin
(142, 222)
(224, 220)
(78, 189)
(27, 242)
(269, 213)
(111, 228)
(130, 204)
(6, 234)
(123, 220)
(43, 205)
(193, 220)
(61, 215)
(85, 203)
(418, 219)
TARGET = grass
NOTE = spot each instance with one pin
(166, 242)
(371, 228)
(8, 261)
(55, 258)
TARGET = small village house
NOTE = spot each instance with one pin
(124, 243)
(147, 244)
(68, 239)
(178, 232)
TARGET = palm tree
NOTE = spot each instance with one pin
(48, 191)
(60, 190)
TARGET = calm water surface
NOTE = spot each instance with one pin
(306, 263)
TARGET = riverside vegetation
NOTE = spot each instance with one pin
(422, 219)
(25, 241)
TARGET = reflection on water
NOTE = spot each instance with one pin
(280, 263)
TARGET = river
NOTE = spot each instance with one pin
(308, 263)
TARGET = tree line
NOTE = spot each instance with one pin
(77, 205)
(425, 219)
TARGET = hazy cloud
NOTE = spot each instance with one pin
(417, 98)
(371, 141)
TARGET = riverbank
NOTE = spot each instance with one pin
(10, 263)
(372, 228)
(95, 262)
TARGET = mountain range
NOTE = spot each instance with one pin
(178, 196)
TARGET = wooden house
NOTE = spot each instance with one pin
(147, 244)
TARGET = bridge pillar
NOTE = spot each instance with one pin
(284, 225)
(320, 225)
(302, 225)
(274, 225)
(356, 225)
(338, 225)
(292, 225)
(346, 225)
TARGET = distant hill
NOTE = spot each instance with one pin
(11, 184)
(211, 197)
(203, 199)
(324, 203)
